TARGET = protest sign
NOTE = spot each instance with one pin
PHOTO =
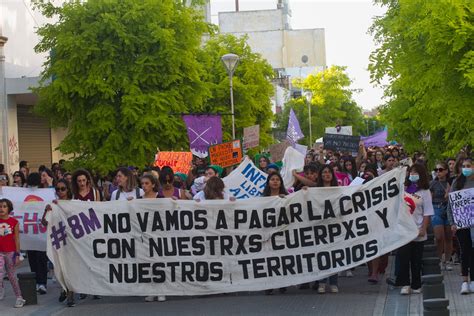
(341, 130)
(226, 154)
(203, 131)
(251, 136)
(341, 142)
(28, 209)
(178, 161)
(246, 180)
(277, 151)
(462, 205)
(178, 247)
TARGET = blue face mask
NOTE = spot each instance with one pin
(467, 172)
(414, 178)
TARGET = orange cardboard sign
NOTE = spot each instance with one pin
(177, 160)
(226, 154)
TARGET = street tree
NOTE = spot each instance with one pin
(251, 86)
(425, 62)
(331, 104)
(116, 71)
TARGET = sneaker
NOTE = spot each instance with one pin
(62, 296)
(417, 291)
(349, 274)
(465, 288)
(448, 266)
(333, 289)
(322, 288)
(20, 302)
(42, 289)
(150, 298)
(161, 298)
(71, 303)
(405, 290)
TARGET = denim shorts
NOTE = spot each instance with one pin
(440, 218)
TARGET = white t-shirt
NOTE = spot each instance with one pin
(200, 196)
(424, 207)
(125, 195)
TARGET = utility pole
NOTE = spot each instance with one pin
(3, 104)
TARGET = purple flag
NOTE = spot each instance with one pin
(293, 133)
(203, 131)
(378, 139)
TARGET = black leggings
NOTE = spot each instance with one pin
(467, 252)
(39, 264)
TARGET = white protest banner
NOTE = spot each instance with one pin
(178, 247)
(251, 136)
(28, 208)
(462, 205)
(246, 181)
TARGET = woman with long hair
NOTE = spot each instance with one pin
(274, 187)
(47, 178)
(83, 188)
(63, 192)
(19, 179)
(465, 180)
(128, 189)
(411, 255)
(214, 190)
(440, 188)
(167, 189)
(327, 178)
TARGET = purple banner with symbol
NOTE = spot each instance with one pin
(203, 131)
(378, 139)
(293, 133)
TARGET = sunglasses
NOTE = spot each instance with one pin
(61, 189)
(438, 169)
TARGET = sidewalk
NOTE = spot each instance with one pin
(356, 297)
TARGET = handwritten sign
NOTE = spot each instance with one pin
(277, 151)
(177, 160)
(341, 142)
(226, 154)
(462, 205)
(251, 136)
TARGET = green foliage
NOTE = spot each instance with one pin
(331, 104)
(251, 86)
(426, 53)
(119, 68)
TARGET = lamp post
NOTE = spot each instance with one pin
(230, 62)
(309, 96)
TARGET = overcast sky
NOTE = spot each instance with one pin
(347, 42)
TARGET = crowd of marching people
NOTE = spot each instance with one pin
(427, 191)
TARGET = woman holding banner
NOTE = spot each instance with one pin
(327, 178)
(465, 180)
(275, 187)
(411, 255)
(83, 187)
(63, 192)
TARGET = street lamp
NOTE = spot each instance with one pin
(230, 62)
(309, 97)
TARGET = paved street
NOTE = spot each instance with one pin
(356, 297)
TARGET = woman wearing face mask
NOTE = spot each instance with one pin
(440, 188)
(465, 180)
(410, 255)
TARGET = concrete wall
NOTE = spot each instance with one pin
(251, 21)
